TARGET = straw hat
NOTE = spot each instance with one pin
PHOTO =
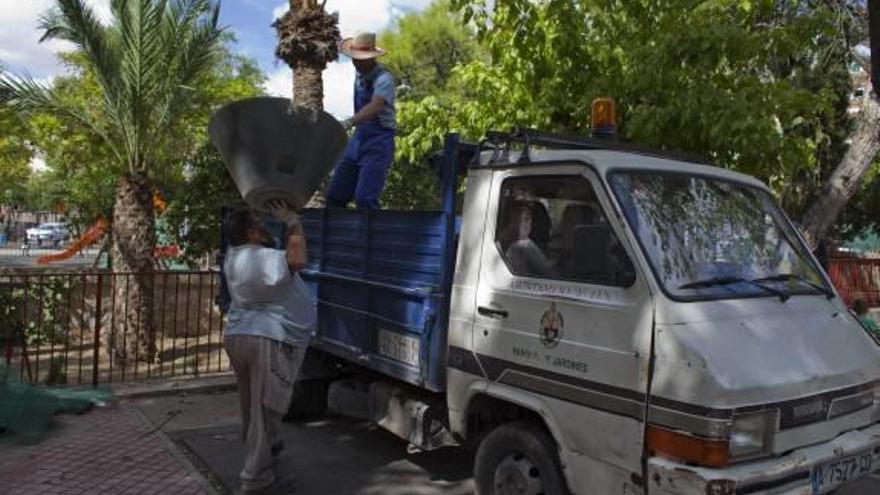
(361, 47)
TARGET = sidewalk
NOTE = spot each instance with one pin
(107, 450)
(374, 462)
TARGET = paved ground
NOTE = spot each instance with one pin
(110, 450)
(329, 456)
(188, 444)
(11, 257)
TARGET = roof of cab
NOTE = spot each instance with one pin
(605, 161)
(501, 149)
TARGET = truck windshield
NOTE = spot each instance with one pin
(708, 238)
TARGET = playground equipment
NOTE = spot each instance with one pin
(91, 236)
(275, 151)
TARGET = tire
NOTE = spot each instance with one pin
(518, 459)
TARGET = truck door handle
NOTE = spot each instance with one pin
(492, 312)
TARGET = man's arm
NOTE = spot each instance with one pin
(369, 111)
(383, 95)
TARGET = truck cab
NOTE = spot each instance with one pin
(662, 321)
(599, 319)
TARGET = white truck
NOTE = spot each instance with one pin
(598, 320)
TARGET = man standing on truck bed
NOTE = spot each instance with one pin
(269, 327)
(361, 173)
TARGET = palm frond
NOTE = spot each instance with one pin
(141, 71)
(26, 96)
(76, 22)
(191, 26)
(146, 61)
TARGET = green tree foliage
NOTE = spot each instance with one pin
(15, 155)
(759, 86)
(862, 217)
(199, 185)
(81, 169)
(424, 50)
(81, 174)
(193, 217)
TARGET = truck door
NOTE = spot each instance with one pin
(564, 318)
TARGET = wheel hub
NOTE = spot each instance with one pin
(516, 474)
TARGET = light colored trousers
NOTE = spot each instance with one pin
(266, 371)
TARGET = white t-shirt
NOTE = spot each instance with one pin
(267, 301)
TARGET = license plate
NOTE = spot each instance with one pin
(830, 475)
(399, 347)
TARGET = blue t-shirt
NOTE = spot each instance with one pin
(383, 85)
(267, 301)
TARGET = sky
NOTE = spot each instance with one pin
(250, 20)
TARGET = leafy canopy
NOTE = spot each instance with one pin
(15, 154)
(760, 86)
(424, 50)
(81, 171)
(145, 63)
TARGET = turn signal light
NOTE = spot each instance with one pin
(704, 452)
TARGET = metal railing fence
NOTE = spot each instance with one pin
(101, 327)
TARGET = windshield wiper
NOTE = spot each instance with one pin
(784, 277)
(720, 281)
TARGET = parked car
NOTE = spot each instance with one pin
(48, 234)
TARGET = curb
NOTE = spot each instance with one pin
(174, 450)
(212, 384)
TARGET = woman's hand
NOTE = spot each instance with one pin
(282, 211)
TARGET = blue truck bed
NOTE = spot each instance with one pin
(382, 281)
(379, 279)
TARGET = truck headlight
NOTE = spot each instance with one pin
(752, 433)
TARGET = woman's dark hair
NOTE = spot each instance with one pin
(860, 306)
(239, 222)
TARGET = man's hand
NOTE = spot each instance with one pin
(282, 211)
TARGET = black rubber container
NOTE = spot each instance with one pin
(273, 151)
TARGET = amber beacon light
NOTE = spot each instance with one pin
(604, 118)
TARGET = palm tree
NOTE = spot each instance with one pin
(147, 59)
(308, 40)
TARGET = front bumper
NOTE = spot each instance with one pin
(785, 475)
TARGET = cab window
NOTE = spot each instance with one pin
(553, 227)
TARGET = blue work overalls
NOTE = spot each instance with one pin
(361, 173)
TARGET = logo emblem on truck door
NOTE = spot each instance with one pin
(551, 326)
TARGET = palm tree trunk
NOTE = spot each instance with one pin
(134, 239)
(847, 177)
(308, 87)
(308, 84)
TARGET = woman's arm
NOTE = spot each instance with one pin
(296, 248)
(296, 238)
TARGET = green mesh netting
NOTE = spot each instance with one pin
(26, 411)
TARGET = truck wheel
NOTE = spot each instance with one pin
(518, 459)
